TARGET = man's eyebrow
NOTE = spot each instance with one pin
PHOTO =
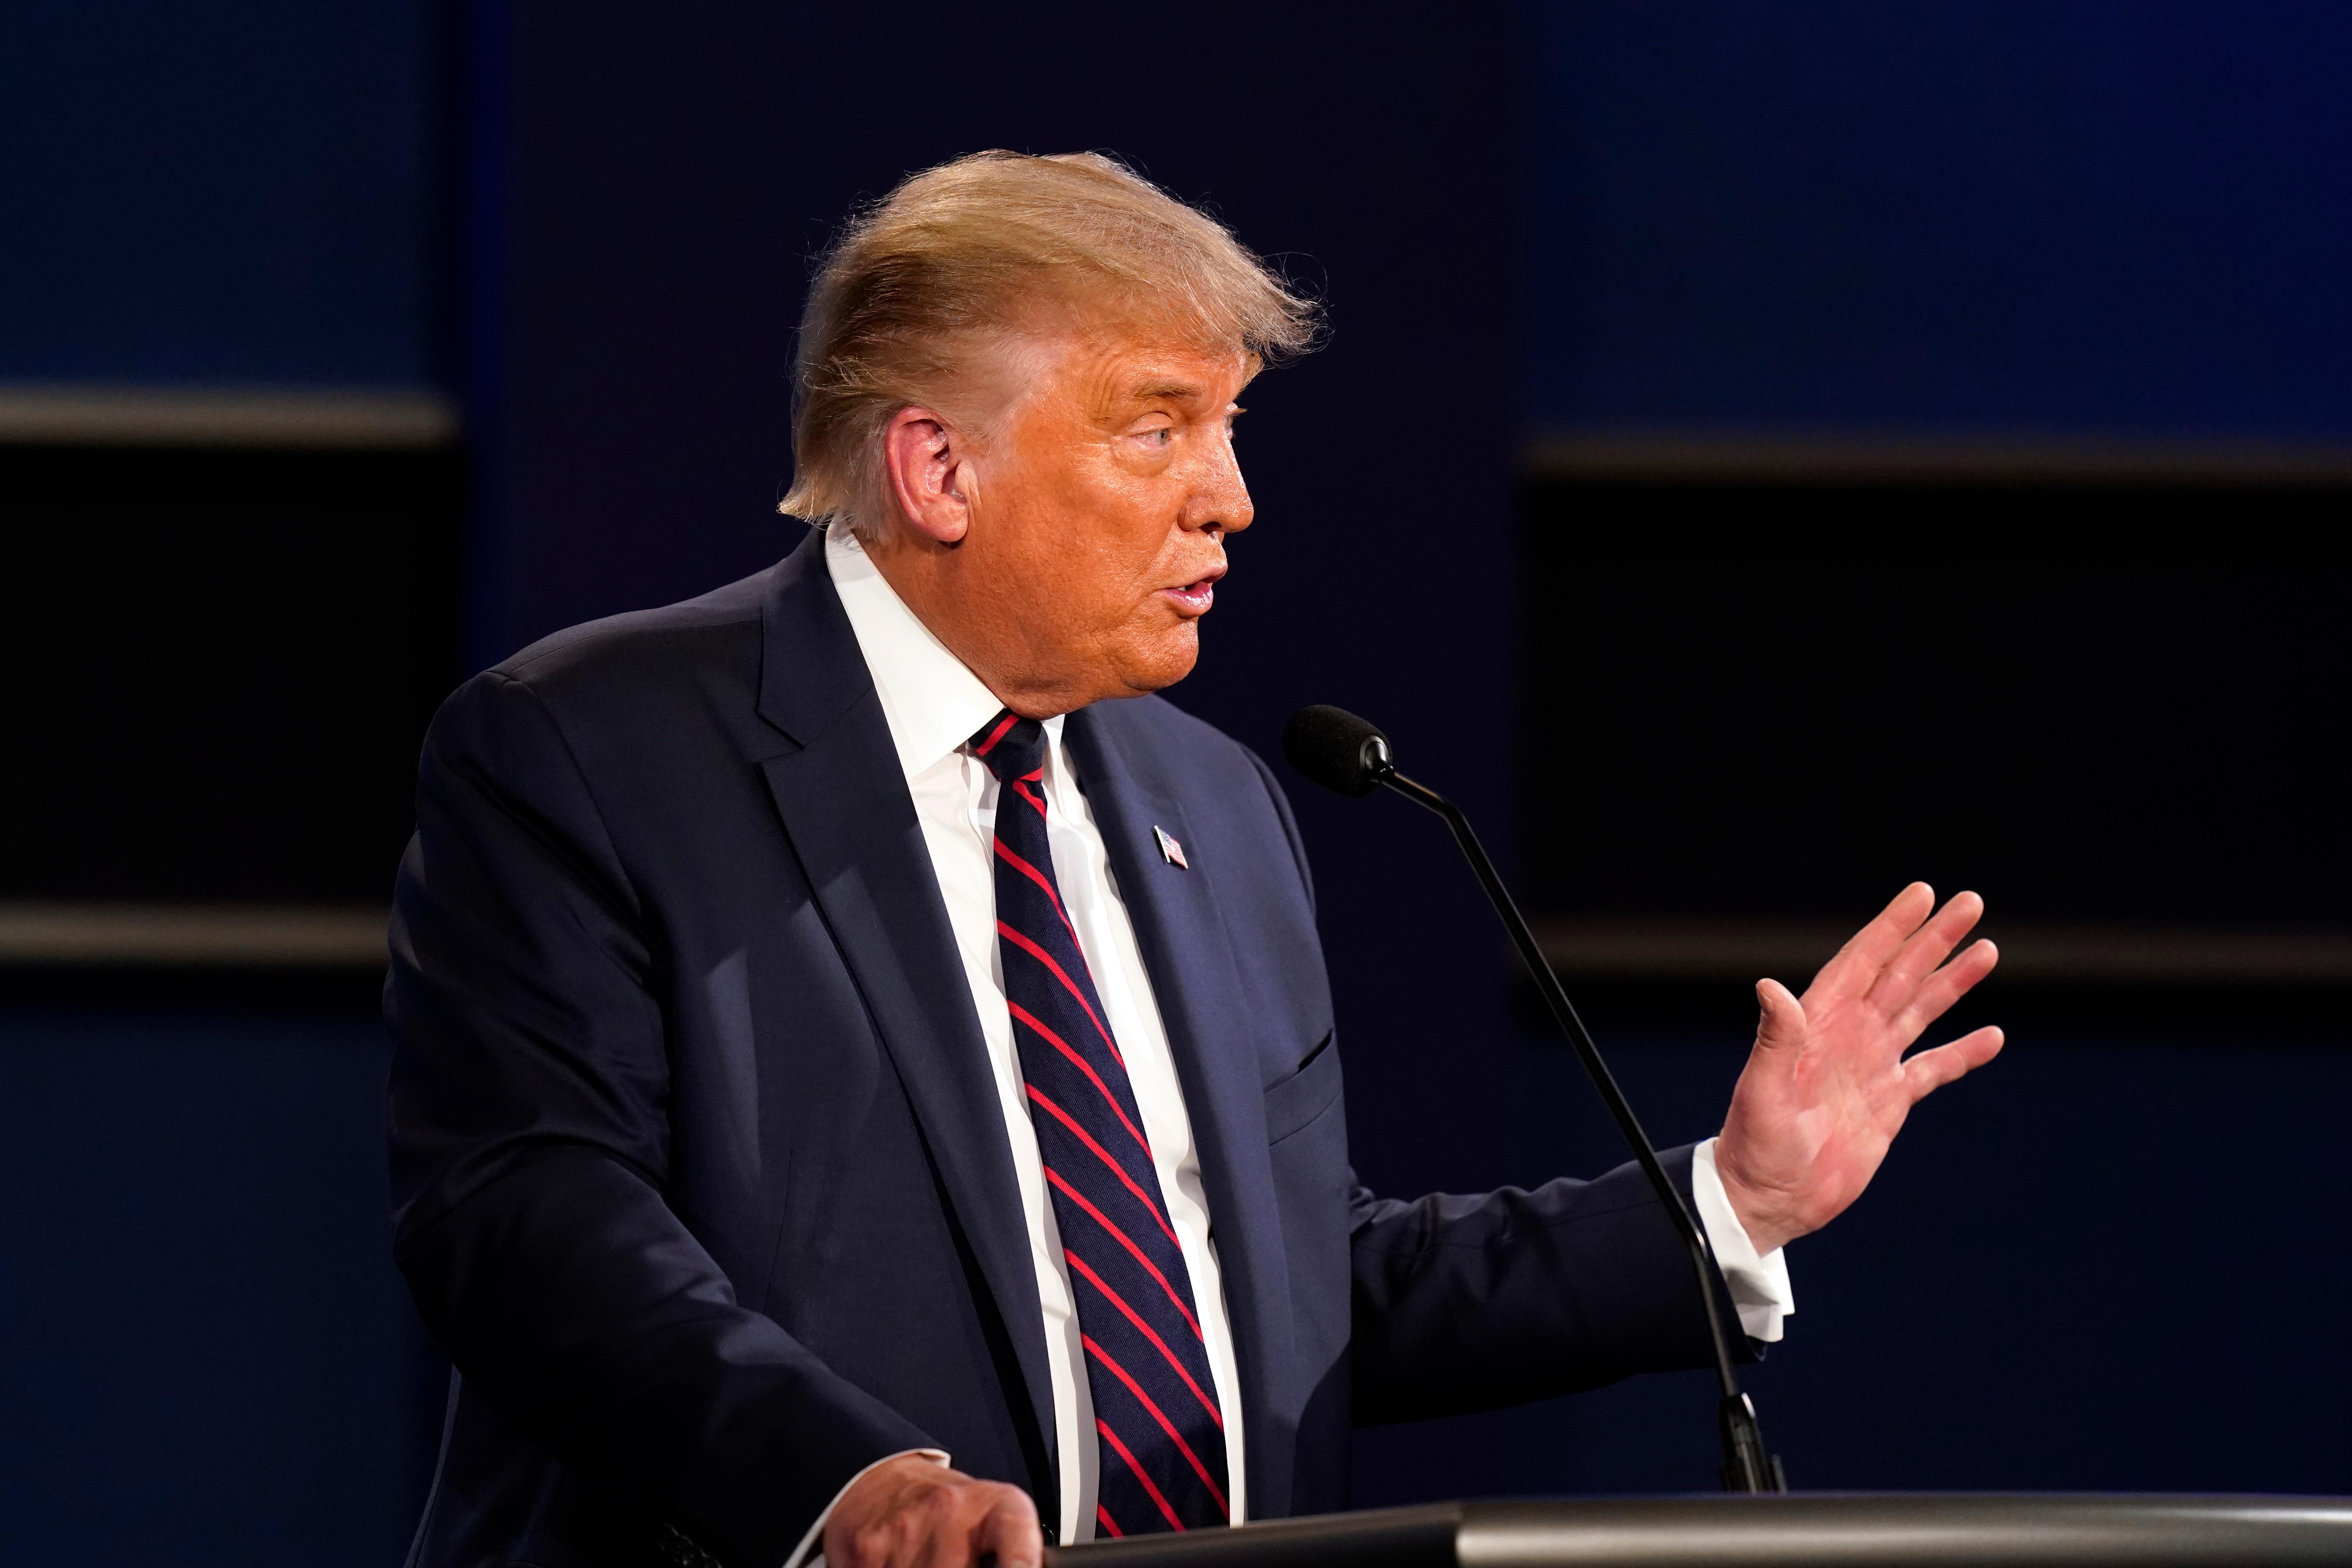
(1173, 391)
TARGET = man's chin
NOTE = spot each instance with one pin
(1167, 661)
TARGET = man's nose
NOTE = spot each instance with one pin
(1221, 499)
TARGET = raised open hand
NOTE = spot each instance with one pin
(1827, 1086)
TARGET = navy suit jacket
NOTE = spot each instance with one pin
(698, 1172)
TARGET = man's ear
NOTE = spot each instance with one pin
(929, 464)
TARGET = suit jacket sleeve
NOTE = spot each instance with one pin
(529, 1143)
(1468, 1303)
(1463, 1303)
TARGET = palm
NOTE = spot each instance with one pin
(1827, 1086)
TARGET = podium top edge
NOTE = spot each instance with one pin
(1804, 1529)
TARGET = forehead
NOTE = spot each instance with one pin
(1111, 370)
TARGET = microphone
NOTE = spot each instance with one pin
(1334, 747)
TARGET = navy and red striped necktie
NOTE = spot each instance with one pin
(1162, 1441)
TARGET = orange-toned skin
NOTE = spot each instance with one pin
(1046, 558)
(1827, 1086)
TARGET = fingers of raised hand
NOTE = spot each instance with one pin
(1923, 952)
(1931, 1070)
(1859, 962)
(1937, 993)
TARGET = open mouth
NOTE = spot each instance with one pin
(1195, 598)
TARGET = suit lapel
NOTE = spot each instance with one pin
(844, 802)
(1198, 990)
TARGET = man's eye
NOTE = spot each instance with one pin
(1161, 437)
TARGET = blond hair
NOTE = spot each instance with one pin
(965, 256)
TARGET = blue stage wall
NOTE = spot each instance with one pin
(2087, 215)
(205, 1355)
(218, 193)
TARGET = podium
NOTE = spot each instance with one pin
(1950, 1530)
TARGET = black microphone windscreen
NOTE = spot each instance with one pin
(1333, 747)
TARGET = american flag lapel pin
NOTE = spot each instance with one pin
(1170, 850)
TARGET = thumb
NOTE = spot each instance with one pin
(1781, 1019)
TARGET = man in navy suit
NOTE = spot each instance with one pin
(865, 1080)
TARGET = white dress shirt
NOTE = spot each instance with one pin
(934, 704)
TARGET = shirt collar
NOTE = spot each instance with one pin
(930, 699)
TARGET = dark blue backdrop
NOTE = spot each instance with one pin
(2107, 1263)
(2019, 215)
(206, 1345)
(236, 194)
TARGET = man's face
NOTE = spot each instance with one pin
(1098, 512)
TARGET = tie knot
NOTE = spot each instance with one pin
(1012, 746)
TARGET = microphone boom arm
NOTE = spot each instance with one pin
(1747, 1465)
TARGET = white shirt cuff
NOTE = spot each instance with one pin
(805, 1555)
(1759, 1285)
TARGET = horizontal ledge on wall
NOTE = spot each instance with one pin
(78, 415)
(1755, 457)
(177, 936)
(335, 936)
(1791, 951)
